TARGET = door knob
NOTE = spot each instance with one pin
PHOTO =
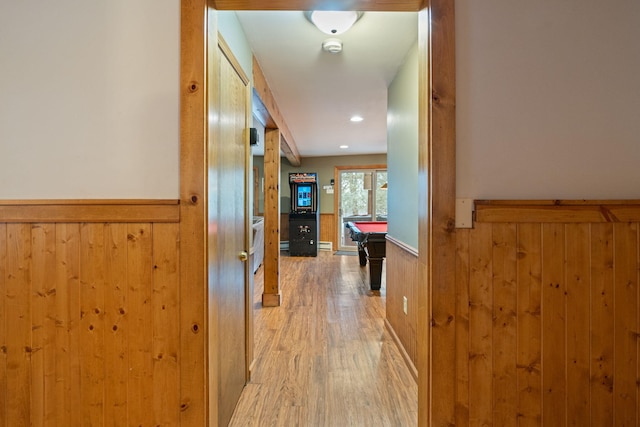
(243, 256)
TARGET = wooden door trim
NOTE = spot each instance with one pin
(437, 123)
(195, 30)
(336, 192)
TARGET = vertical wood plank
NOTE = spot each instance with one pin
(271, 295)
(578, 271)
(18, 324)
(166, 318)
(68, 321)
(602, 324)
(3, 325)
(440, 141)
(194, 27)
(480, 327)
(529, 325)
(139, 298)
(625, 333)
(553, 325)
(504, 325)
(116, 313)
(38, 320)
(462, 327)
(424, 365)
(92, 327)
(43, 357)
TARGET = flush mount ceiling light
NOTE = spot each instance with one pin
(356, 119)
(333, 22)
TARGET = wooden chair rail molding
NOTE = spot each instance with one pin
(90, 210)
(548, 211)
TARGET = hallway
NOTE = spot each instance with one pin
(325, 358)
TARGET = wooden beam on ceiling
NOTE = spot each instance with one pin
(371, 5)
(269, 112)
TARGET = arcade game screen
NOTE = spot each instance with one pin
(304, 196)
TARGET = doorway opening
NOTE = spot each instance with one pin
(361, 196)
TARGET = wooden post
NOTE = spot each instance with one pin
(271, 294)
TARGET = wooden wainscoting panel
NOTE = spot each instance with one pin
(603, 316)
(116, 314)
(529, 329)
(462, 327)
(140, 334)
(328, 230)
(577, 272)
(480, 327)
(402, 281)
(89, 323)
(17, 323)
(553, 321)
(626, 332)
(554, 317)
(3, 324)
(505, 322)
(67, 338)
(165, 304)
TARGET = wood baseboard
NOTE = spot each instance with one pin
(405, 355)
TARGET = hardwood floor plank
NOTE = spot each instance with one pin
(324, 356)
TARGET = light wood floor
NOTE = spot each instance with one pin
(324, 358)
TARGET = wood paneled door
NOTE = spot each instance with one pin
(229, 245)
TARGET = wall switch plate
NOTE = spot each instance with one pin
(404, 304)
(464, 213)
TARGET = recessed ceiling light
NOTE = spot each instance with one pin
(356, 119)
(344, 146)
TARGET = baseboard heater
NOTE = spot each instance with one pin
(322, 246)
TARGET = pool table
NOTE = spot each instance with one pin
(371, 239)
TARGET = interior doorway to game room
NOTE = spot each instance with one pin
(361, 195)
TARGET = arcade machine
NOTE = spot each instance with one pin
(304, 215)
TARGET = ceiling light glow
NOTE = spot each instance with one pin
(356, 119)
(344, 146)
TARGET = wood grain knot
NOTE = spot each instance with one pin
(193, 87)
(184, 406)
(194, 199)
(195, 328)
(451, 225)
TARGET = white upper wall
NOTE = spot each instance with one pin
(89, 99)
(548, 99)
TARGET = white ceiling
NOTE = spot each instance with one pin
(317, 92)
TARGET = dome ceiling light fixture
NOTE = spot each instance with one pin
(333, 22)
